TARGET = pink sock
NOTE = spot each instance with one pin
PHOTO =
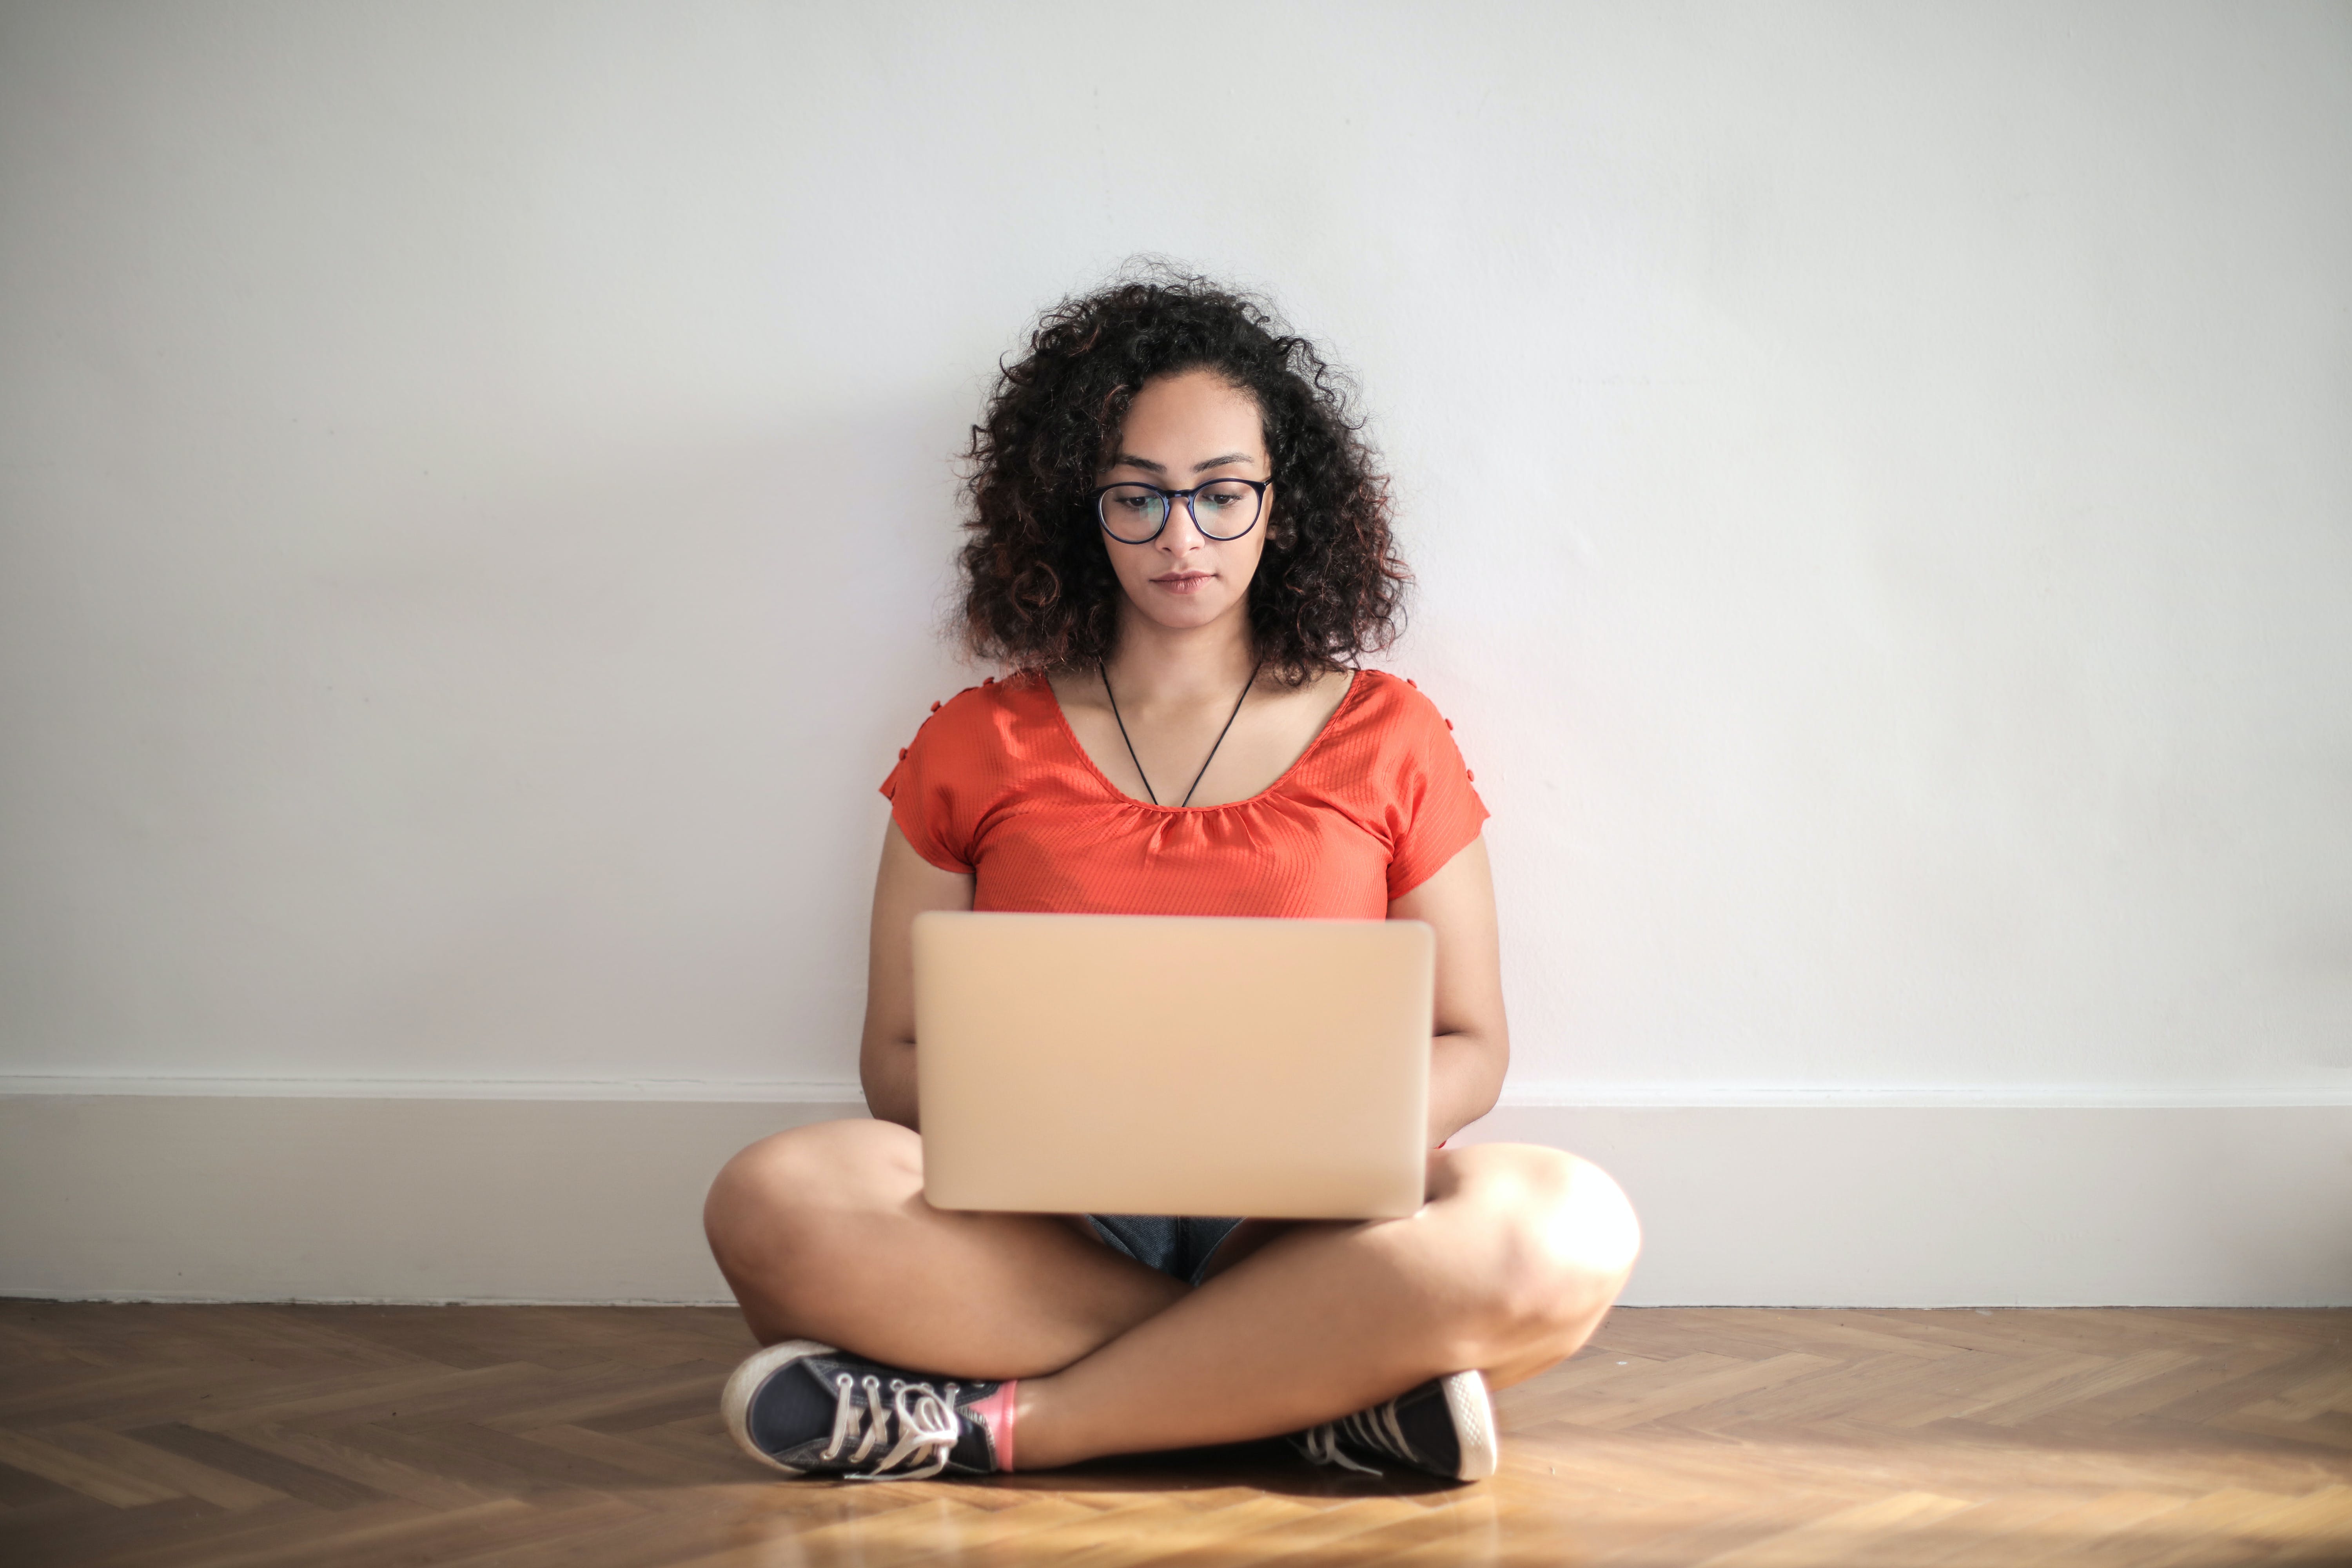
(995, 1413)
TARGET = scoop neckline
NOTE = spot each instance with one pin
(1070, 736)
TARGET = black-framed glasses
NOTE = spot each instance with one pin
(1221, 510)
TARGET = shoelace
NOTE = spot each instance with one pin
(1376, 1429)
(926, 1421)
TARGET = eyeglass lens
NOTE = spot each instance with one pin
(1134, 514)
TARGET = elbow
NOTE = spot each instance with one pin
(886, 1072)
(1494, 1050)
(1466, 1078)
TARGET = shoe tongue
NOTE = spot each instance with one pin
(975, 1446)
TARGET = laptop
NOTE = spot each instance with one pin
(1173, 1064)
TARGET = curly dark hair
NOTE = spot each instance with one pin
(1039, 591)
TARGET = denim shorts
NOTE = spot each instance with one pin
(1179, 1245)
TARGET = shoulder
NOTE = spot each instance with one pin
(1392, 706)
(1395, 732)
(981, 709)
(1432, 808)
(1001, 726)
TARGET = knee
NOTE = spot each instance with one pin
(1561, 1240)
(773, 1189)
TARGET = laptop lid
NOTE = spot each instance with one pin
(1173, 1064)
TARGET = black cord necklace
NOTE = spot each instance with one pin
(1104, 669)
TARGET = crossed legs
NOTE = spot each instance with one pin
(824, 1233)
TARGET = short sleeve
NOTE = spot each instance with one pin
(1437, 811)
(934, 791)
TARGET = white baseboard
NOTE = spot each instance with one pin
(1983, 1206)
(210, 1198)
(375, 1193)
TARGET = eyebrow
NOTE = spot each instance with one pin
(1129, 460)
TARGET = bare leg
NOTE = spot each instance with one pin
(824, 1233)
(1510, 1266)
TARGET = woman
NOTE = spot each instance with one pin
(1180, 544)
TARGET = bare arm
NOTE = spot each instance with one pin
(1472, 1045)
(904, 888)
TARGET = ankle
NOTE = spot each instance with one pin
(1000, 1412)
(1043, 1435)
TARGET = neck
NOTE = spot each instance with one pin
(1181, 664)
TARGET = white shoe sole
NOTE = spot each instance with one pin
(1473, 1425)
(735, 1403)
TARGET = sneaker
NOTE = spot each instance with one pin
(806, 1408)
(1445, 1426)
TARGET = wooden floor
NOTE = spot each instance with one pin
(589, 1437)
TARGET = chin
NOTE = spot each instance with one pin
(1190, 610)
(1178, 610)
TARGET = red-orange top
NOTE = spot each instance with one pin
(996, 785)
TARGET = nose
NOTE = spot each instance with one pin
(1181, 536)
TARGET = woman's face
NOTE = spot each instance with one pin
(1184, 430)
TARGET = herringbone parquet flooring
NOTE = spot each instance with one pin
(143, 1437)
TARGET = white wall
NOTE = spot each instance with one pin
(476, 495)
